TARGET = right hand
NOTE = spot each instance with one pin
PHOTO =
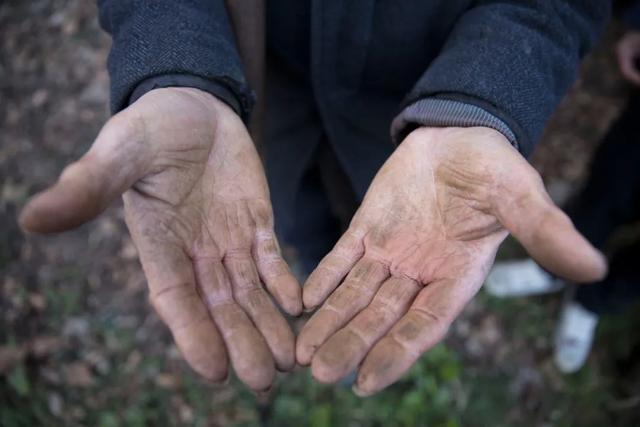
(628, 54)
(197, 206)
(419, 248)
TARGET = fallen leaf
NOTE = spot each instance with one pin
(128, 250)
(50, 374)
(54, 400)
(10, 356)
(165, 380)
(133, 361)
(186, 414)
(98, 361)
(37, 301)
(78, 374)
(45, 345)
(75, 327)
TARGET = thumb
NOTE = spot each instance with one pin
(549, 236)
(117, 159)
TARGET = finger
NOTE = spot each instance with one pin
(248, 292)
(549, 236)
(275, 273)
(88, 186)
(352, 296)
(343, 352)
(424, 325)
(332, 269)
(173, 294)
(249, 353)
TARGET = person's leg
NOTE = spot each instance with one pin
(342, 198)
(610, 198)
(293, 136)
(580, 313)
(619, 289)
(313, 228)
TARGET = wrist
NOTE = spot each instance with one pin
(216, 88)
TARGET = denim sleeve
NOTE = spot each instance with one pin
(512, 60)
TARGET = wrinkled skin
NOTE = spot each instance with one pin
(628, 55)
(197, 206)
(419, 248)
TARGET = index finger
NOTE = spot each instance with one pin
(332, 269)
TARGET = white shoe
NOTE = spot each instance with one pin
(574, 337)
(520, 278)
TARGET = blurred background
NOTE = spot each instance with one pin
(79, 344)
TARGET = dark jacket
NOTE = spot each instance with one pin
(632, 15)
(359, 64)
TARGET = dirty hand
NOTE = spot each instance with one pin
(197, 206)
(628, 54)
(419, 248)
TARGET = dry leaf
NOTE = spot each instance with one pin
(44, 345)
(10, 356)
(165, 380)
(37, 301)
(78, 374)
(55, 403)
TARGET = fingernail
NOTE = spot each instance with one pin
(223, 382)
(295, 313)
(359, 392)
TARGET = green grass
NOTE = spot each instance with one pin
(446, 388)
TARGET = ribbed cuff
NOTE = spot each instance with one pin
(435, 112)
(215, 88)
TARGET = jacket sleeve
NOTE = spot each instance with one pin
(505, 65)
(163, 43)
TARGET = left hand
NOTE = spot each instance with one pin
(419, 247)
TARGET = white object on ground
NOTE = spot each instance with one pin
(574, 337)
(520, 278)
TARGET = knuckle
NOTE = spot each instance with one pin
(427, 316)
(267, 245)
(253, 299)
(169, 294)
(178, 306)
(263, 214)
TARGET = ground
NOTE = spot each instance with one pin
(79, 344)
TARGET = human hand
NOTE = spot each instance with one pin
(419, 247)
(197, 206)
(628, 54)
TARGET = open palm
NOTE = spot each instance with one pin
(419, 248)
(197, 206)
